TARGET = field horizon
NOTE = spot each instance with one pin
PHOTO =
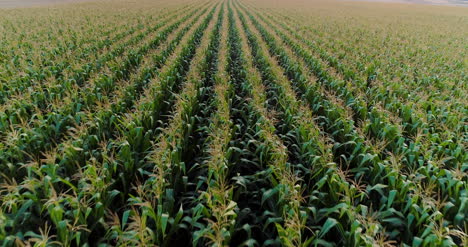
(462, 3)
(8, 4)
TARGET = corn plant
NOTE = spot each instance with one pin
(233, 123)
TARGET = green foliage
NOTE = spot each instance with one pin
(220, 123)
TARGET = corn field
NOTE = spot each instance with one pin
(233, 123)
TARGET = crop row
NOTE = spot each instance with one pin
(81, 150)
(219, 123)
(456, 195)
(439, 133)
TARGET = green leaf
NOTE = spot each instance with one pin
(179, 215)
(321, 242)
(164, 219)
(268, 194)
(391, 197)
(329, 224)
(125, 216)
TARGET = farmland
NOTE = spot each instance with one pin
(233, 123)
